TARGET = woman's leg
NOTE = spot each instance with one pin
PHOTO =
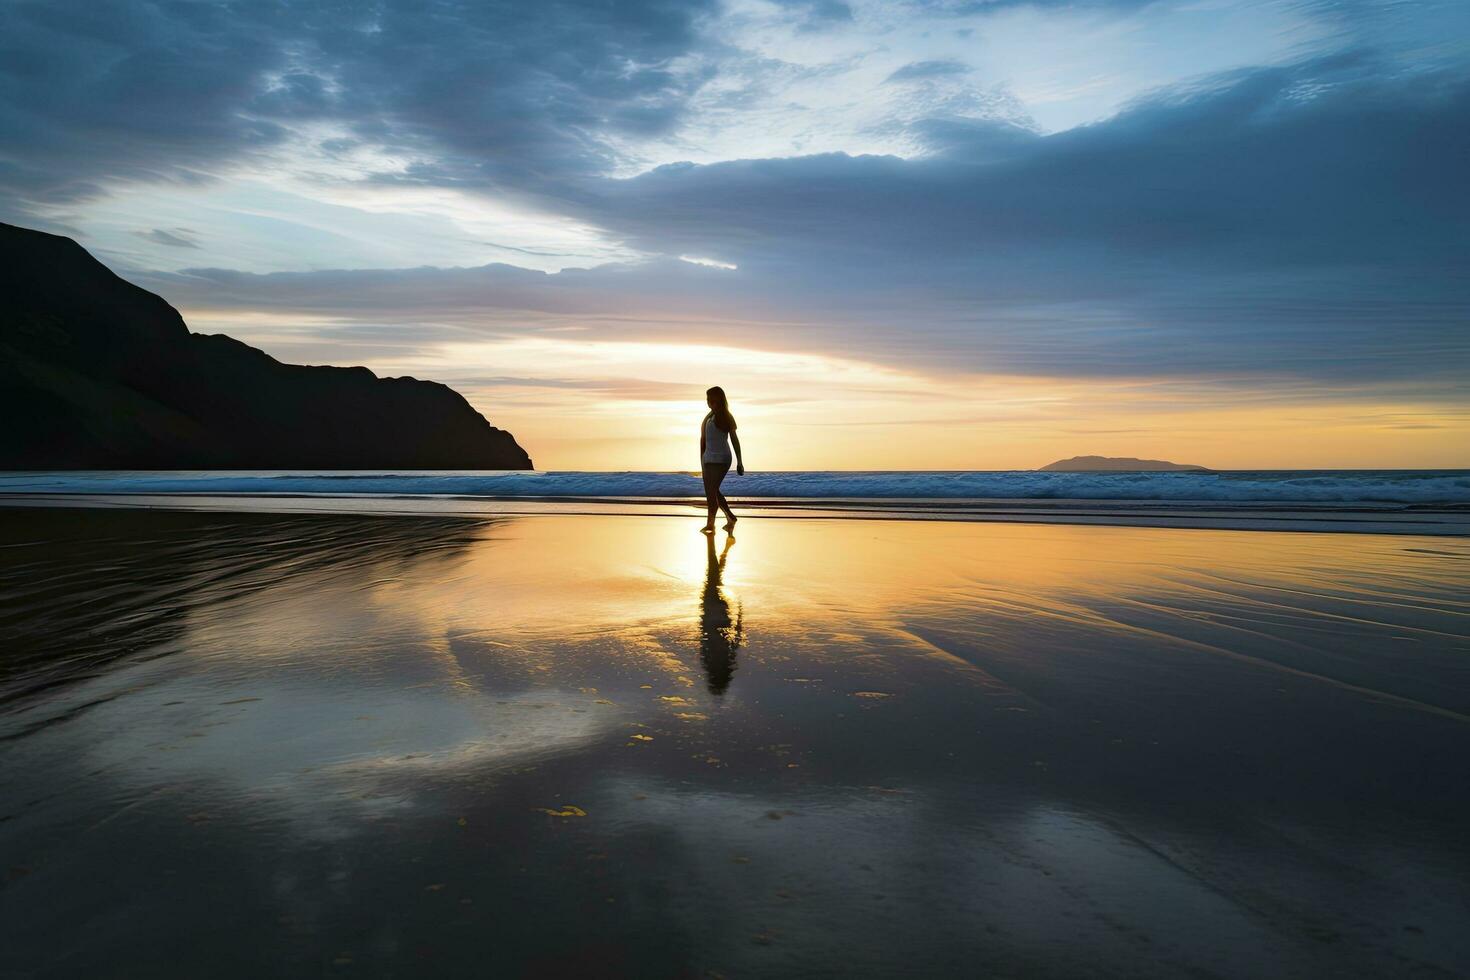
(720, 474)
(711, 493)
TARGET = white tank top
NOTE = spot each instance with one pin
(716, 442)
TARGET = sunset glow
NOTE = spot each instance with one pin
(589, 404)
(901, 236)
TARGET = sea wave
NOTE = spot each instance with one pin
(1283, 486)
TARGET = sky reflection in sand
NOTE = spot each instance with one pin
(884, 744)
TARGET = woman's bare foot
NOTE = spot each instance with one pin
(707, 529)
(730, 525)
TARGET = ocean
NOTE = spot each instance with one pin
(1433, 487)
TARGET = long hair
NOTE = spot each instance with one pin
(721, 407)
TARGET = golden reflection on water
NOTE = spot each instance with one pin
(1008, 724)
(662, 596)
(645, 608)
(721, 633)
(592, 623)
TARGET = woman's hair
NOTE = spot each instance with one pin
(721, 407)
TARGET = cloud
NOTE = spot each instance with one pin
(1319, 204)
(968, 8)
(91, 92)
(1304, 222)
(499, 94)
(1307, 166)
(815, 15)
(916, 70)
(178, 238)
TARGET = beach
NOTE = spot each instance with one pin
(245, 743)
(707, 491)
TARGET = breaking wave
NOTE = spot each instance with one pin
(1284, 486)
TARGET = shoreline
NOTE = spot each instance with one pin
(1448, 520)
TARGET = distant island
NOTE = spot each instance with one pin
(1119, 464)
(97, 373)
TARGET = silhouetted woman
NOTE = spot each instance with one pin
(716, 433)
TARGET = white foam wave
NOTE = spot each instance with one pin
(1349, 486)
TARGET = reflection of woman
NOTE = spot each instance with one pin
(719, 638)
(716, 433)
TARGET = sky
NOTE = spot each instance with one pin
(917, 234)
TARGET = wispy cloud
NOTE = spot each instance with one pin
(177, 238)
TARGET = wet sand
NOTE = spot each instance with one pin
(287, 745)
(1442, 519)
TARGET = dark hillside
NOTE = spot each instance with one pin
(96, 373)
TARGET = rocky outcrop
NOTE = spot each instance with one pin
(97, 373)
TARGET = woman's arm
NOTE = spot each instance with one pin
(701, 437)
(739, 463)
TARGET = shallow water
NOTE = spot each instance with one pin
(236, 745)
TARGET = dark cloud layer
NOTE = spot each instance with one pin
(1307, 222)
(1314, 166)
(493, 93)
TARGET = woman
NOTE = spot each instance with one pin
(715, 435)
